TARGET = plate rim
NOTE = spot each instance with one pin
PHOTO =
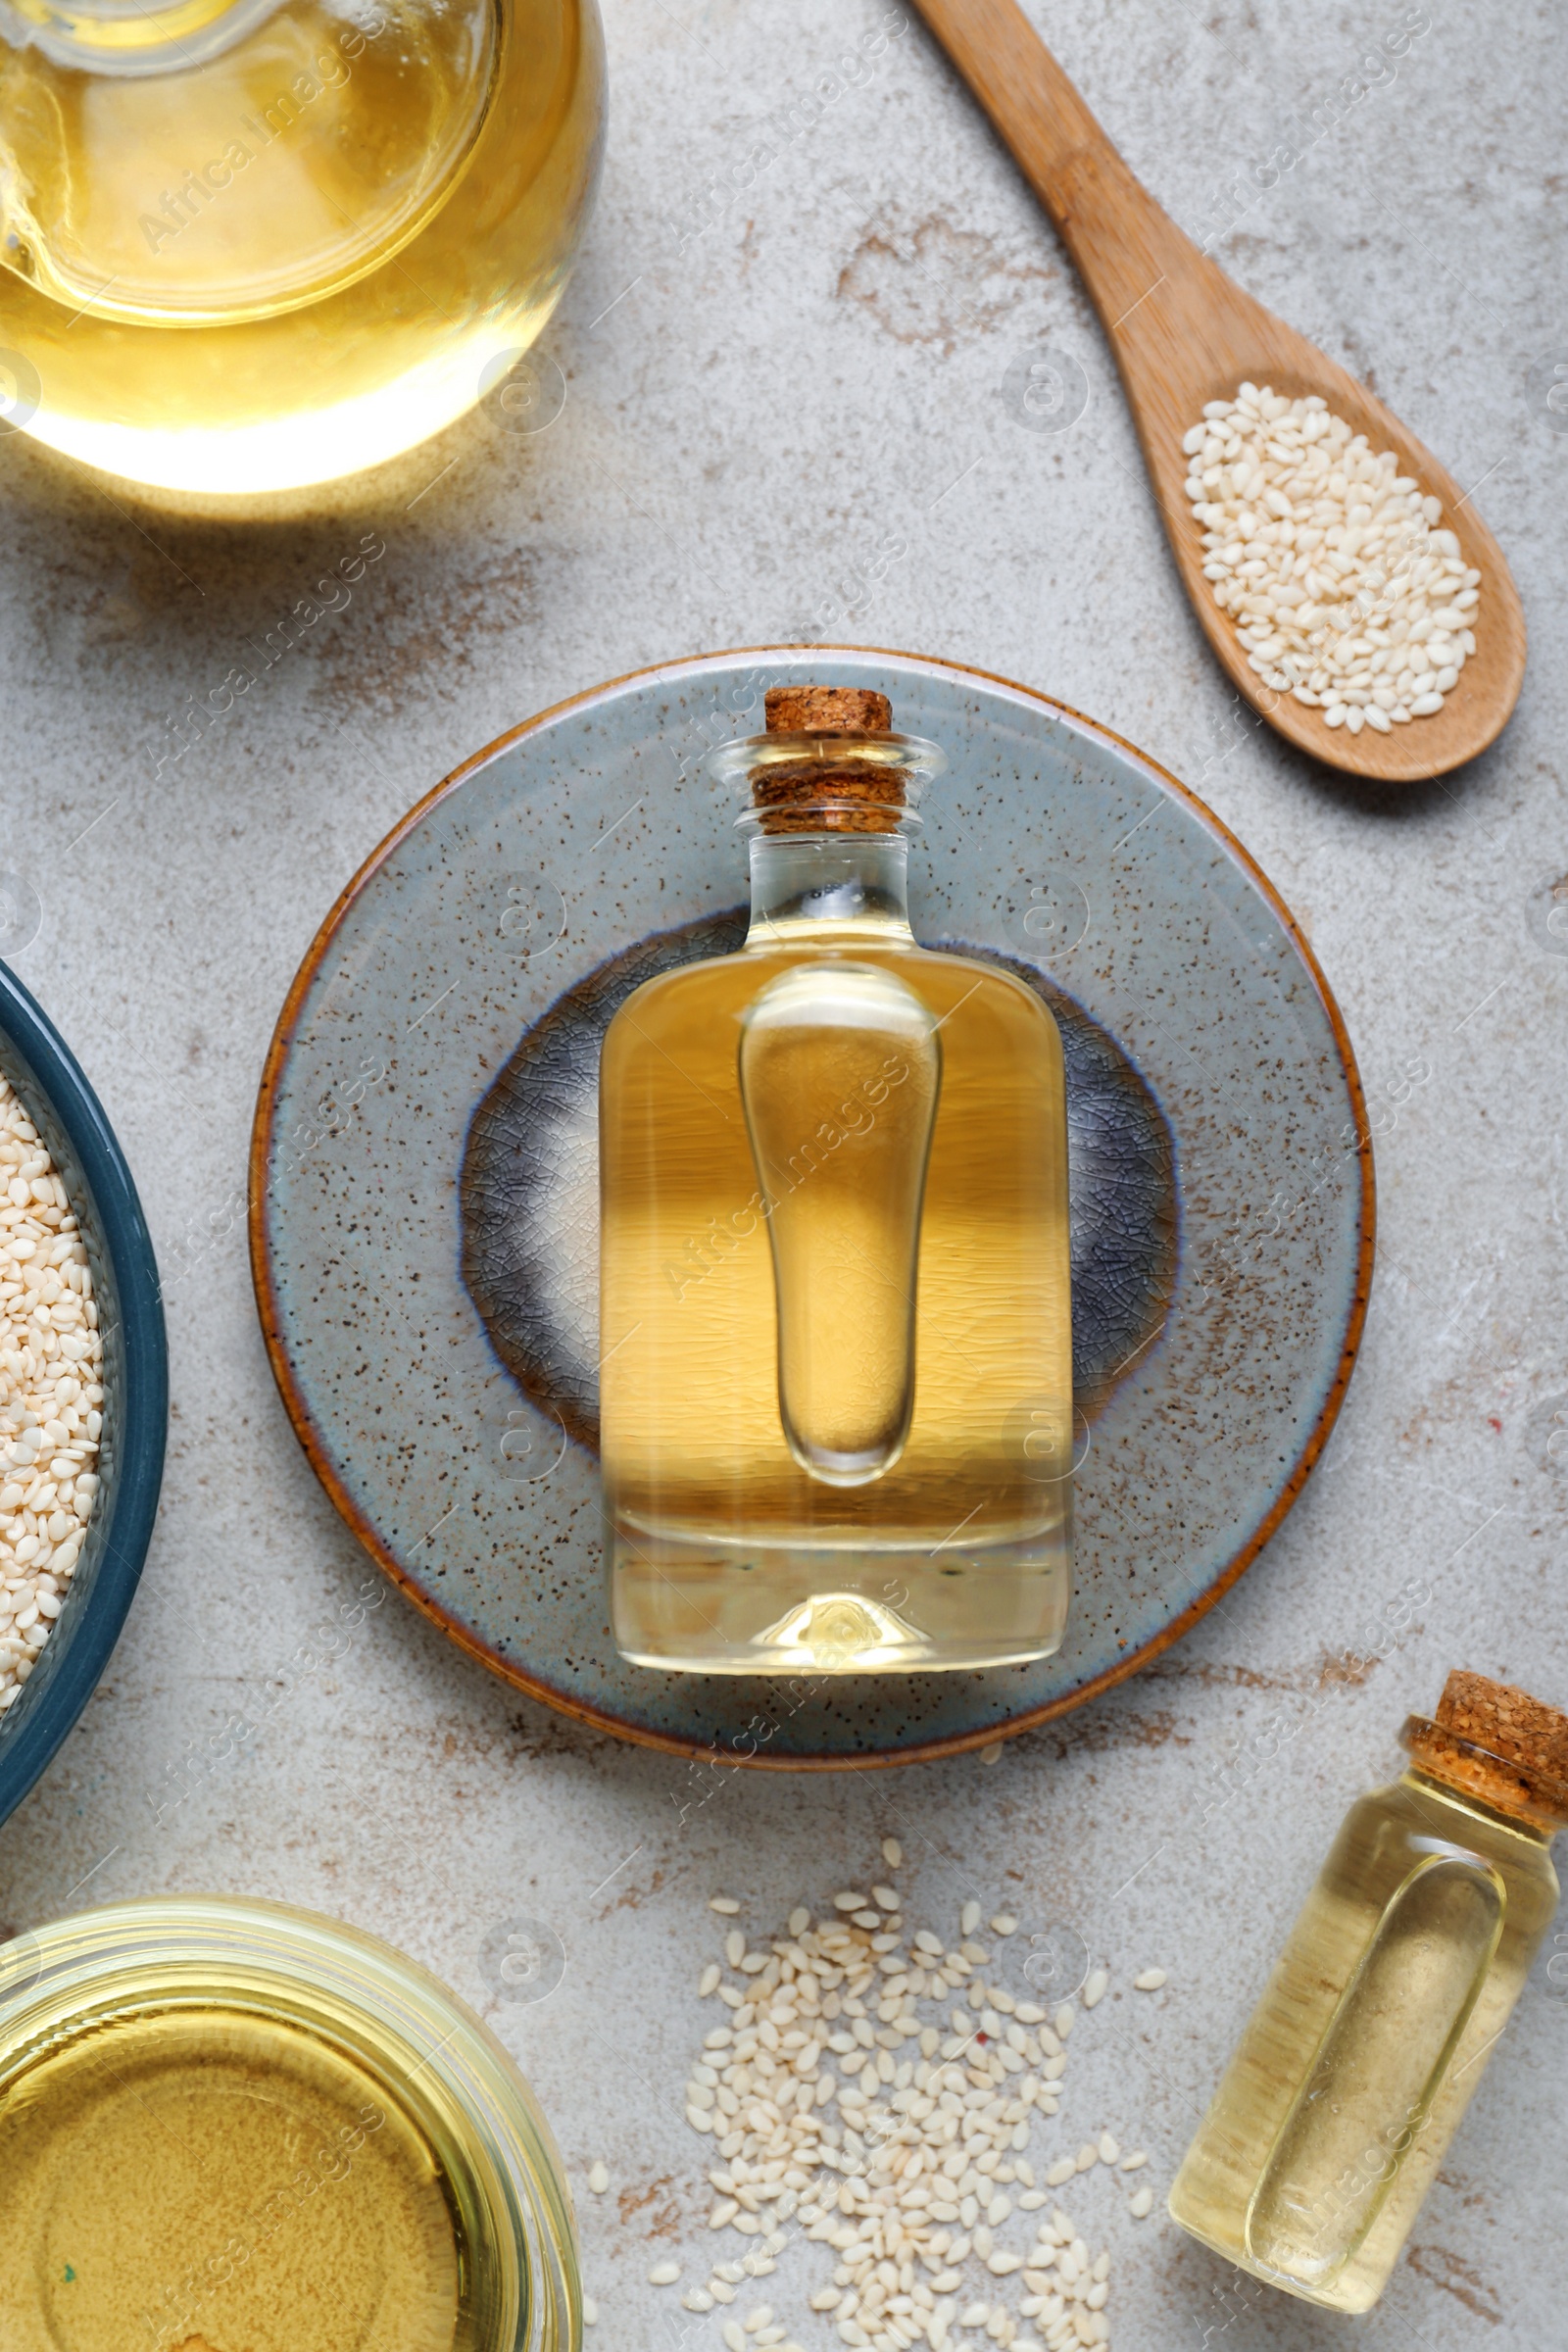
(114, 1209)
(509, 1670)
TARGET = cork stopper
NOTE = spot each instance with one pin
(826, 711)
(824, 793)
(1495, 1742)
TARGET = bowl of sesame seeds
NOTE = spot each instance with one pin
(83, 1389)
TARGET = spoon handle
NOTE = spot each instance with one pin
(1123, 245)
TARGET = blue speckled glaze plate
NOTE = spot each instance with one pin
(424, 1210)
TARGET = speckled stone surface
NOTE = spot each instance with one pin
(847, 323)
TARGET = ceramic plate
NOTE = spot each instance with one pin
(424, 1195)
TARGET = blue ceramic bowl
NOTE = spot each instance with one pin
(135, 1382)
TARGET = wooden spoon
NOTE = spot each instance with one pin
(1183, 334)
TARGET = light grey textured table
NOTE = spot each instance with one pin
(777, 391)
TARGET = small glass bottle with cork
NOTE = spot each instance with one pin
(835, 1320)
(1381, 2012)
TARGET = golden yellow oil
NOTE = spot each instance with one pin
(205, 2178)
(889, 1488)
(1370, 2038)
(254, 247)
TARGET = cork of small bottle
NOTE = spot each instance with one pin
(827, 796)
(1493, 1741)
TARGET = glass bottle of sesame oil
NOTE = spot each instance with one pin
(836, 1382)
(1396, 1981)
(250, 245)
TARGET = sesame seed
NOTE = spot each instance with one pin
(663, 2274)
(1004, 1925)
(1134, 2162)
(892, 1853)
(1095, 1988)
(833, 2106)
(992, 1754)
(51, 1360)
(590, 2312)
(1088, 2157)
(598, 2176)
(1149, 1979)
(708, 1981)
(1109, 2150)
(723, 1902)
(1140, 2203)
(1320, 550)
(733, 2337)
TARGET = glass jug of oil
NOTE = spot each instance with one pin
(251, 245)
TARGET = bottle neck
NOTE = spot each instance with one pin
(1465, 1800)
(830, 887)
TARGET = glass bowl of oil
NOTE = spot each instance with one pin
(249, 246)
(234, 2127)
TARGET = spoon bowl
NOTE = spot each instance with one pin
(1185, 334)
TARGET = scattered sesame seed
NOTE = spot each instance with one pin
(590, 2312)
(598, 2176)
(1134, 2162)
(1004, 1925)
(1149, 1979)
(992, 1754)
(1140, 2203)
(708, 1981)
(1094, 1989)
(825, 2098)
(663, 2274)
(723, 1902)
(892, 1853)
(1088, 2156)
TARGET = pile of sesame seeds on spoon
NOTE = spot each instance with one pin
(904, 2142)
(1344, 590)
